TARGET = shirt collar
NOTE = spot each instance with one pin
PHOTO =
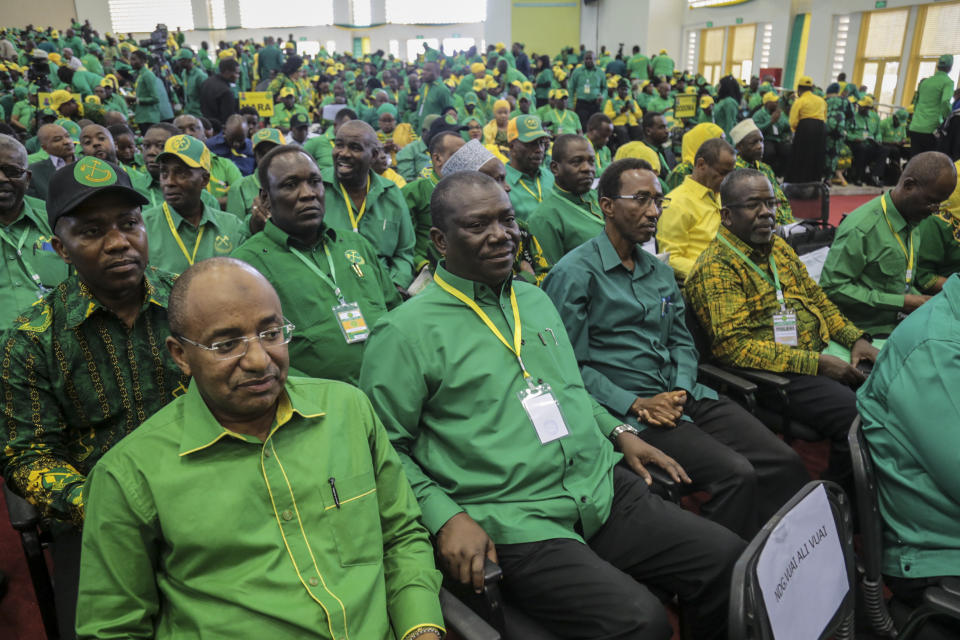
(747, 250)
(28, 215)
(583, 200)
(283, 239)
(57, 162)
(202, 429)
(896, 219)
(610, 259)
(476, 290)
(81, 304)
(700, 191)
(207, 217)
(514, 175)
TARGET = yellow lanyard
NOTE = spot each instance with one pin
(903, 247)
(355, 221)
(515, 349)
(423, 101)
(538, 195)
(176, 236)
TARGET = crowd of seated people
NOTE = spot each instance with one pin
(280, 375)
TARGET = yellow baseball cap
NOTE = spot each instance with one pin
(60, 97)
(477, 68)
(187, 149)
(287, 91)
(770, 96)
(706, 102)
(865, 101)
(805, 81)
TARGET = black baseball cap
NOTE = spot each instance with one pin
(299, 120)
(441, 125)
(74, 183)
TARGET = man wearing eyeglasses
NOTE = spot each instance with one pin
(870, 272)
(761, 310)
(255, 505)
(31, 266)
(625, 317)
(85, 365)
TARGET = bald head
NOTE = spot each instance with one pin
(926, 167)
(55, 140)
(190, 125)
(12, 151)
(235, 130)
(360, 128)
(928, 179)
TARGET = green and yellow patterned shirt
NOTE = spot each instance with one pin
(75, 380)
(735, 306)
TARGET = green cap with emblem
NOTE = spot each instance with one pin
(73, 129)
(946, 60)
(189, 150)
(268, 134)
(74, 184)
(525, 129)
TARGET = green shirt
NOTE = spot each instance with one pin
(417, 195)
(909, 411)
(893, 133)
(865, 271)
(932, 102)
(434, 98)
(638, 66)
(191, 81)
(861, 128)
(559, 121)
(627, 328)
(185, 560)
(240, 198)
(150, 189)
(385, 222)
(318, 348)
(446, 389)
(147, 109)
(564, 221)
(411, 160)
(589, 85)
(76, 381)
(25, 248)
(663, 66)
(218, 234)
(939, 238)
(726, 113)
(281, 115)
(778, 131)
(656, 104)
(527, 193)
(321, 148)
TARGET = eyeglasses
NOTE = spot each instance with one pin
(237, 347)
(643, 199)
(12, 172)
(771, 204)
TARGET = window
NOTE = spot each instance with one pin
(711, 53)
(394, 48)
(415, 47)
(741, 40)
(218, 14)
(143, 15)
(331, 47)
(880, 51)
(457, 44)
(434, 11)
(362, 12)
(765, 44)
(257, 14)
(936, 34)
(308, 47)
(840, 44)
(691, 49)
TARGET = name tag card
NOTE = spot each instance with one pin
(544, 413)
(785, 328)
(351, 322)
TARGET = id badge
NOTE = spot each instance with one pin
(351, 322)
(586, 88)
(785, 328)
(544, 413)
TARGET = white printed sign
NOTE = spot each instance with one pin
(801, 571)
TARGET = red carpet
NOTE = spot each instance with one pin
(19, 616)
(840, 205)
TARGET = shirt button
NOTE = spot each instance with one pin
(266, 454)
(583, 499)
(288, 515)
(313, 582)
(570, 462)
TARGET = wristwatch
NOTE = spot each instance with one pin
(623, 428)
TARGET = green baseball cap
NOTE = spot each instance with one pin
(74, 183)
(268, 135)
(525, 129)
(946, 60)
(184, 54)
(187, 149)
(73, 129)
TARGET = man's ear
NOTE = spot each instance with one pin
(439, 239)
(61, 250)
(725, 216)
(175, 347)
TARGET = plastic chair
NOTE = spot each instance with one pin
(34, 538)
(940, 600)
(748, 618)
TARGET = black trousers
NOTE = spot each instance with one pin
(809, 156)
(777, 155)
(920, 142)
(868, 154)
(66, 578)
(748, 471)
(585, 109)
(909, 591)
(597, 590)
(829, 407)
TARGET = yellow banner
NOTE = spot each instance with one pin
(262, 101)
(43, 100)
(686, 106)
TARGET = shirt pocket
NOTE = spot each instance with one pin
(389, 237)
(356, 521)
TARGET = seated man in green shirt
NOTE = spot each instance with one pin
(183, 229)
(153, 141)
(870, 272)
(909, 415)
(761, 310)
(625, 316)
(242, 198)
(318, 271)
(569, 214)
(478, 386)
(32, 267)
(84, 366)
(529, 180)
(359, 200)
(309, 527)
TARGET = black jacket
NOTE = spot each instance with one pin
(216, 99)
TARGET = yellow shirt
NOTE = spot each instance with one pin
(690, 219)
(953, 202)
(394, 177)
(809, 105)
(631, 118)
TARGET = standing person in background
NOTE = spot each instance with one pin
(216, 93)
(931, 105)
(727, 110)
(808, 117)
(587, 85)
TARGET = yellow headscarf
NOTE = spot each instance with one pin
(697, 136)
(639, 150)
